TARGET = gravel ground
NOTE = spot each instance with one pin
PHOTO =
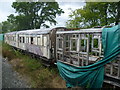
(10, 78)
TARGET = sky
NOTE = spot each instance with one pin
(6, 10)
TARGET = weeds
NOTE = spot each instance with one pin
(32, 64)
(8, 52)
(38, 75)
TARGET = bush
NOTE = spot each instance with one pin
(32, 64)
(8, 52)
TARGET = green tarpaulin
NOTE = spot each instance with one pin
(92, 76)
(1, 37)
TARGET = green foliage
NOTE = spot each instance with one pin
(8, 52)
(94, 14)
(6, 26)
(0, 27)
(33, 15)
(37, 75)
(32, 64)
(96, 43)
(43, 76)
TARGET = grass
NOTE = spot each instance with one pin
(36, 74)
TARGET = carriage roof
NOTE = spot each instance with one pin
(11, 33)
(35, 31)
(90, 30)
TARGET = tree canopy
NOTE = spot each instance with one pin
(33, 15)
(94, 14)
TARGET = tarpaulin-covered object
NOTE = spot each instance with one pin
(92, 76)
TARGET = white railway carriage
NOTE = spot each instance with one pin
(10, 38)
(40, 42)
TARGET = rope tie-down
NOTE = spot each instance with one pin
(92, 76)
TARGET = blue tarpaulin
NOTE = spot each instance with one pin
(92, 76)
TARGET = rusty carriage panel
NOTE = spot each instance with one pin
(84, 47)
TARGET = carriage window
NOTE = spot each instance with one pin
(60, 43)
(95, 43)
(31, 40)
(42, 40)
(83, 45)
(13, 38)
(20, 40)
(73, 44)
(23, 39)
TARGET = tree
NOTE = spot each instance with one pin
(6, 26)
(94, 14)
(12, 19)
(35, 14)
(0, 27)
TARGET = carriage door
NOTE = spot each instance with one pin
(45, 44)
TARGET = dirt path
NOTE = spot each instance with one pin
(10, 78)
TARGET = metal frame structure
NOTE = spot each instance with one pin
(84, 47)
(77, 47)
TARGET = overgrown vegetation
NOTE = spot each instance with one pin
(38, 76)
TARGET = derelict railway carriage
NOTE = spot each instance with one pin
(80, 47)
(84, 47)
(40, 42)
